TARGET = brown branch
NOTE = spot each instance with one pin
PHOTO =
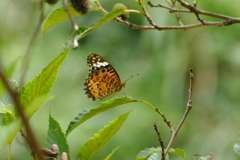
(184, 27)
(150, 20)
(19, 108)
(159, 140)
(189, 107)
(165, 120)
(191, 9)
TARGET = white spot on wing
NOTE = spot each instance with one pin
(99, 64)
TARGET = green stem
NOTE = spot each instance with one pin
(9, 151)
(195, 3)
(160, 113)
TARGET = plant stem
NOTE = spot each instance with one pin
(189, 107)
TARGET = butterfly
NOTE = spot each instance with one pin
(103, 80)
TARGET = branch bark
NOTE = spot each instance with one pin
(190, 9)
(189, 107)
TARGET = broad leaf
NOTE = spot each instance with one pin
(58, 15)
(101, 138)
(42, 84)
(89, 113)
(56, 136)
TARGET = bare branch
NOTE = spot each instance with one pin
(227, 20)
(160, 140)
(189, 107)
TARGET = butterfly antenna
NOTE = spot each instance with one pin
(131, 77)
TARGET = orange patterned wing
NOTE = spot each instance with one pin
(102, 80)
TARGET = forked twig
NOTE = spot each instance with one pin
(226, 20)
(189, 107)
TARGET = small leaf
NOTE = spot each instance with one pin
(58, 15)
(236, 146)
(8, 132)
(42, 83)
(178, 152)
(6, 97)
(8, 116)
(2, 106)
(101, 138)
(87, 114)
(108, 17)
(146, 153)
(111, 154)
(56, 136)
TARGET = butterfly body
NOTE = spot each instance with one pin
(102, 80)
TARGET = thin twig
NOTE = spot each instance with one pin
(181, 26)
(14, 95)
(149, 18)
(161, 114)
(159, 140)
(165, 120)
(189, 107)
(73, 25)
(29, 52)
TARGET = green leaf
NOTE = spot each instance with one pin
(178, 152)
(111, 154)
(8, 132)
(87, 114)
(42, 84)
(101, 138)
(146, 153)
(58, 15)
(6, 97)
(2, 106)
(6, 104)
(35, 105)
(108, 17)
(56, 136)
(8, 116)
(236, 146)
(150, 153)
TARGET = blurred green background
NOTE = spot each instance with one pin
(162, 60)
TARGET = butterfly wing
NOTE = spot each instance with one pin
(102, 80)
